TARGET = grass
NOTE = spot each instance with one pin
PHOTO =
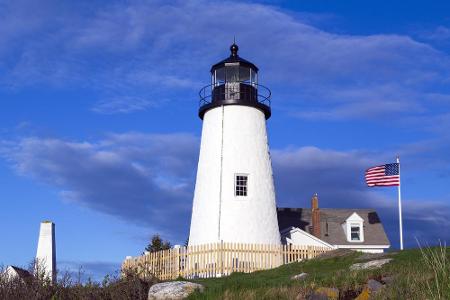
(422, 273)
(416, 274)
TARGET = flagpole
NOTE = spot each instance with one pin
(400, 205)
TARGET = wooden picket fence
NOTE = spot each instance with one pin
(218, 259)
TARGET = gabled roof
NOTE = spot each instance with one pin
(22, 273)
(331, 220)
(354, 217)
(291, 230)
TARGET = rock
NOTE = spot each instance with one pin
(372, 256)
(387, 280)
(173, 290)
(300, 276)
(365, 294)
(324, 293)
(316, 296)
(374, 286)
(301, 296)
(373, 264)
(371, 288)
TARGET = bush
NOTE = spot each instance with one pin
(128, 286)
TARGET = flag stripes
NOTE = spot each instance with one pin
(384, 175)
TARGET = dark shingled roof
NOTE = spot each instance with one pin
(22, 273)
(374, 233)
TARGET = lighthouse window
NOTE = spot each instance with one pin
(241, 185)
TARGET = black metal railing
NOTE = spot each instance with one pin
(235, 91)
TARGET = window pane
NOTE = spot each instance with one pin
(253, 79)
(354, 233)
(220, 76)
(244, 74)
(240, 185)
(232, 73)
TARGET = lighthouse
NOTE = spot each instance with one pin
(234, 198)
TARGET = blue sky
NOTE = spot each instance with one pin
(99, 129)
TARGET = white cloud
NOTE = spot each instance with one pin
(121, 175)
(148, 179)
(121, 105)
(439, 34)
(136, 47)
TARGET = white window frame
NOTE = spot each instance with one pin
(236, 185)
(358, 226)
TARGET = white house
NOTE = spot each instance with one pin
(356, 229)
(13, 273)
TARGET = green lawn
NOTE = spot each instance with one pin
(416, 275)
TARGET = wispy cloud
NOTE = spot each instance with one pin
(439, 34)
(140, 52)
(85, 270)
(148, 179)
(121, 105)
(338, 178)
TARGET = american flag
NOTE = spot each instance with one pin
(385, 175)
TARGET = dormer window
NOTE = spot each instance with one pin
(354, 228)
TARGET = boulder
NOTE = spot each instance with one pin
(374, 286)
(373, 256)
(373, 264)
(300, 276)
(173, 290)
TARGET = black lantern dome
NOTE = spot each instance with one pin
(234, 81)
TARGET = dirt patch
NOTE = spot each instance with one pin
(336, 253)
(373, 256)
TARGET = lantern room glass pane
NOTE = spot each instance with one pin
(254, 77)
(232, 73)
(219, 76)
(244, 74)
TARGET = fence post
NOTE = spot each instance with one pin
(217, 260)
(175, 261)
(221, 259)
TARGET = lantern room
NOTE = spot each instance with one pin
(234, 81)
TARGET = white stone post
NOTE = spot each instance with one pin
(46, 251)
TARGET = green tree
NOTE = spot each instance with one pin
(157, 244)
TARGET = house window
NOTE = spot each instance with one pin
(241, 182)
(355, 232)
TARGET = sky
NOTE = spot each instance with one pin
(99, 129)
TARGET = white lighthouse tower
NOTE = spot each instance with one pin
(234, 199)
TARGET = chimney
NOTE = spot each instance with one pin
(315, 216)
